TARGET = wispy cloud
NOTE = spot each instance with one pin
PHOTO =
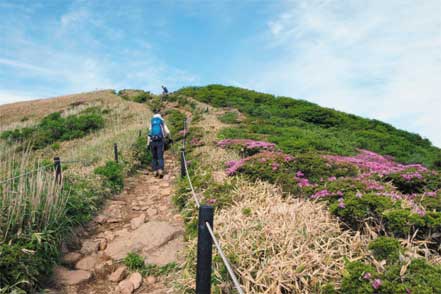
(24, 66)
(379, 59)
(78, 47)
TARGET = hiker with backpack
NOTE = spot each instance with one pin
(156, 141)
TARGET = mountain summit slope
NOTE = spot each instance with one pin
(298, 125)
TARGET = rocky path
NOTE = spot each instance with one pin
(141, 219)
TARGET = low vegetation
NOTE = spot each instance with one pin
(300, 126)
(55, 127)
(135, 262)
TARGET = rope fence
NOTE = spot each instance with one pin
(204, 255)
(206, 236)
(25, 173)
(57, 167)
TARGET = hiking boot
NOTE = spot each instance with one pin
(160, 173)
(155, 173)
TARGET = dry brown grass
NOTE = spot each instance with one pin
(36, 109)
(284, 245)
(121, 126)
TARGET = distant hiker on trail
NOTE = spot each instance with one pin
(158, 131)
(164, 90)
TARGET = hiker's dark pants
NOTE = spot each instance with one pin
(157, 148)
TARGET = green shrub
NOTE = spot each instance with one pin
(229, 118)
(353, 281)
(385, 248)
(141, 153)
(135, 262)
(420, 277)
(54, 127)
(113, 175)
(142, 97)
(357, 211)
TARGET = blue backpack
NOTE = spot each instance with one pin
(157, 131)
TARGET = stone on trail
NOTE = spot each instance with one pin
(87, 263)
(136, 280)
(151, 280)
(125, 287)
(152, 212)
(102, 244)
(166, 254)
(89, 247)
(71, 258)
(119, 274)
(68, 277)
(165, 191)
(100, 219)
(147, 237)
(137, 221)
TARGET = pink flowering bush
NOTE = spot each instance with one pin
(372, 162)
(246, 146)
(367, 188)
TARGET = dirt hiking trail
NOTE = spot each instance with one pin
(141, 219)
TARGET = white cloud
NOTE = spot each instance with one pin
(24, 65)
(378, 59)
(74, 17)
(80, 49)
(10, 97)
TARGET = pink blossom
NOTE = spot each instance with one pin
(376, 284)
(358, 194)
(367, 276)
(302, 182)
(211, 201)
(320, 194)
(234, 165)
(300, 174)
(410, 176)
(331, 179)
(341, 203)
(373, 162)
(288, 158)
(248, 144)
(430, 194)
(275, 166)
(339, 193)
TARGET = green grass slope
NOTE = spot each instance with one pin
(299, 126)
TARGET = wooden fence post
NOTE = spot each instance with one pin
(57, 167)
(115, 151)
(204, 254)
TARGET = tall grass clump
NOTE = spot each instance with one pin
(32, 213)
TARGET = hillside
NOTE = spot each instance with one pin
(307, 199)
(298, 125)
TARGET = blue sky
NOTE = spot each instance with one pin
(378, 59)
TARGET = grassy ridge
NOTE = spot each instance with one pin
(298, 125)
